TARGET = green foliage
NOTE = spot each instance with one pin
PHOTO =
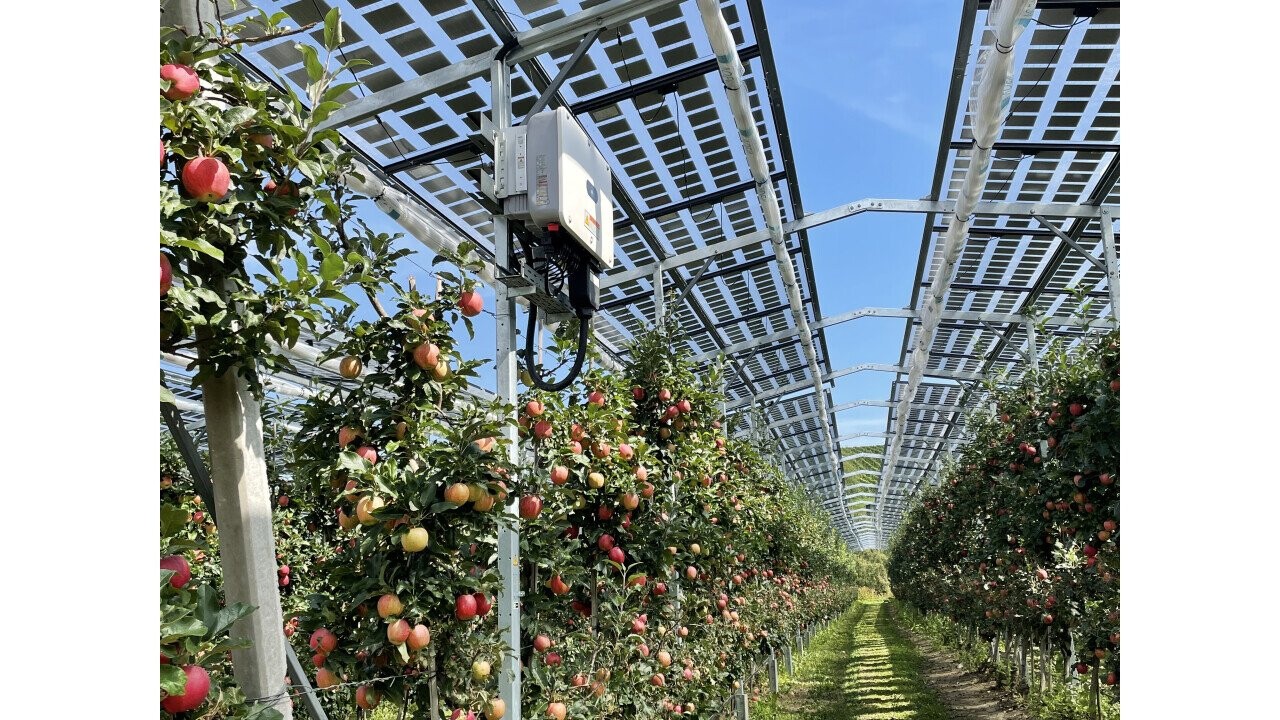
(281, 249)
(194, 622)
(1023, 533)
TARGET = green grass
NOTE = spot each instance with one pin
(860, 667)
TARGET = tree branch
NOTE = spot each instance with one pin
(225, 41)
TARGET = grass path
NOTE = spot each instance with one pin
(861, 667)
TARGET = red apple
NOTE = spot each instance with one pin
(368, 697)
(534, 408)
(181, 570)
(483, 606)
(595, 397)
(1076, 409)
(605, 542)
(193, 694)
(323, 641)
(617, 555)
(347, 435)
(558, 586)
(183, 81)
(637, 392)
(530, 507)
(552, 659)
(559, 474)
(206, 178)
(664, 395)
(398, 632)
(389, 605)
(685, 407)
(426, 355)
(419, 637)
(556, 710)
(368, 453)
(542, 429)
(470, 303)
(464, 608)
(541, 643)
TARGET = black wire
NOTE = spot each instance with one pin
(1038, 21)
(535, 373)
(646, 121)
(622, 54)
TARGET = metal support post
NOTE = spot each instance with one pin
(505, 361)
(1113, 262)
(659, 300)
(786, 659)
(740, 705)
(773, 671)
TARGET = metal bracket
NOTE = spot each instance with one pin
(1071, 242)
(563, 75)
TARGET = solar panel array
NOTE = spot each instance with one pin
(648, 93)
(1060, 144)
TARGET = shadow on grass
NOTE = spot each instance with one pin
(860, 668)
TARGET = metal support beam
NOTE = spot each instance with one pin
(565, 70)
(709, 198)
(246, 538)
(531, 44)
(881, 367)
(840, 212)
(1070, 241)
(1112, 267)
(657, 83)
(1031, 147)
(689, 286)
(964, 316)
(427, 157)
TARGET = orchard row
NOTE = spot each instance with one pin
(1022, 537)
(659, 558)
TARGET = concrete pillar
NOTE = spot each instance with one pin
(246, 539)
(773, 671)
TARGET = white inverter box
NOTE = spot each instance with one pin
(555, 174)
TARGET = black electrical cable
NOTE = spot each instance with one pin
(535, 374)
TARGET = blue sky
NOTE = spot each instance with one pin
(864, 86)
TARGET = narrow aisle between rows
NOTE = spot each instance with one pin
(860, 667)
